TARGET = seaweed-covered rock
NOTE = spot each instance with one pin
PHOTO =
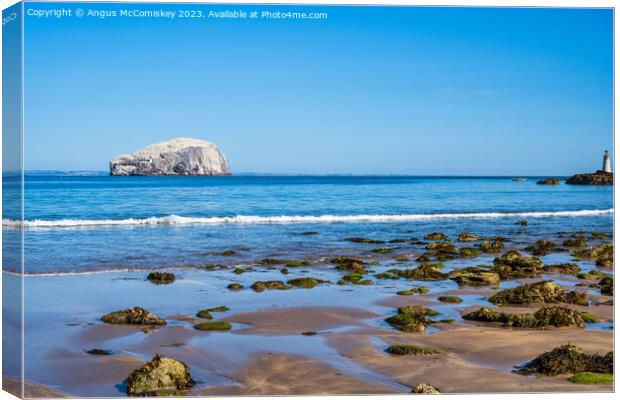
(602, 254)
(160, 278)
(348, 264)
(206, 313)
(566, 268)
(538, 292)
(425, 272)
(306, 283)
(491, 246)
(469, 252)
(213, 326)
(558, 317)
(235, 287)
(575, 243)
(424, 388)
(436, 236)
(468, 237)
(450, 299)
(545, 317)
(133, 316)
(485, 314)
(410, 349)
(354, 278)
(607, 285)
(522, 222)
(382, 250)
(260, 286)
(364, 240)
(513, 265)
(408, 322)
(160, 377)
(567, 358)
(442, 247)
(474, 276)
(542, 247)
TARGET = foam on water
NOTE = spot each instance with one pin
(292, 219)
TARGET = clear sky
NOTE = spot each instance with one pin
(380, 90)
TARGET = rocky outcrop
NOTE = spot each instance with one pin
(133, 316)
(597, 178)
(180, 156)
(549, 181)
(161, 376)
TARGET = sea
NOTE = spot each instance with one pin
(91, 222)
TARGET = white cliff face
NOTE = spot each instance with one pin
(180, 156)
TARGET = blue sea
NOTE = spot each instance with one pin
(87, 223)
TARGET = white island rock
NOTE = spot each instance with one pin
(182, 156)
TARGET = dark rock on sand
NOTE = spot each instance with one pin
(548, 181)
(597, 178)
(133, 316)
(160, 278)
(161, 376)
(568, 359)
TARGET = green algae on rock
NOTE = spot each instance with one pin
(522, 222)
(364, 240)
(260, 286)
(474, 276)
(348, 264)
(450, 299)
(410, 349)
(161, 376)
(494, 246)
(235, 287)
(213, 326)
(538, 292)
(592, 378)
(543, 318)
(382, 250)
(513, 265)
(469, 252)
(468, 237)
(602, 254)
(411, 318)
(133, 316)
(566, 268)
(541, 247)
(206, 313)
(436, 236)
(306, 282)
(425, 272)
(568, 358)
(607, 285)
(161, 278)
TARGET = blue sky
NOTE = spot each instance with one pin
(440, 91)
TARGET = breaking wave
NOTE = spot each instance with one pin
(294, 219)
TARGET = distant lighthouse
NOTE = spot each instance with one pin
(606, 162)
